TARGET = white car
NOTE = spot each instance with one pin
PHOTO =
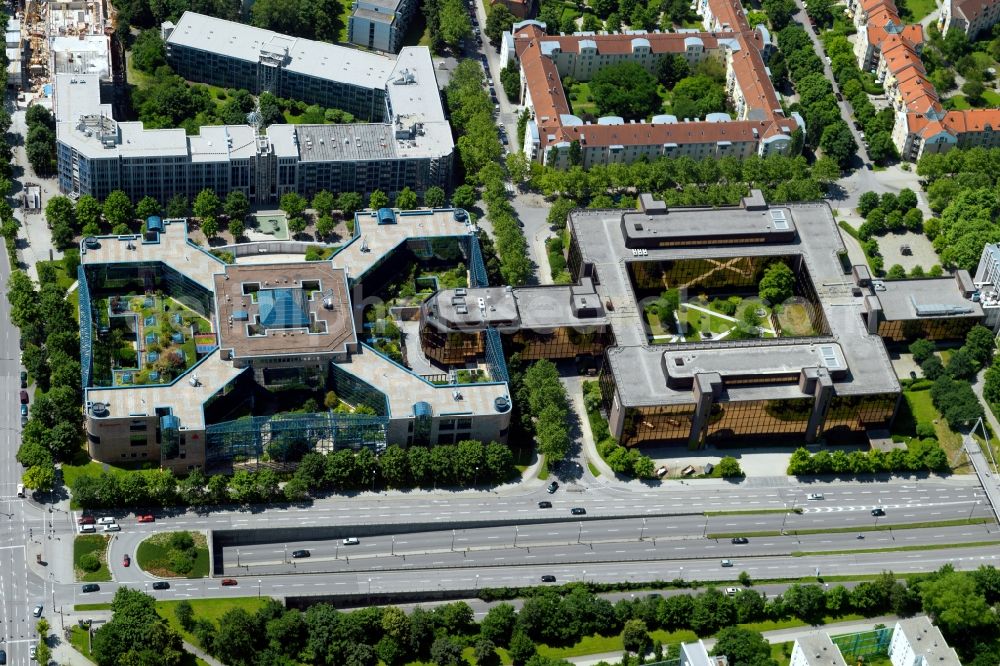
(106, 520)
(351, 541)
(88, 529)
(731, 591)
(113, 527)
(37, 612)
(816, 496)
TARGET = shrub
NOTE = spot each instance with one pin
(90, 562)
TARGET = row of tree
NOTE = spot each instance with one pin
(545, 407)
(621, 459)
(479, 150)
(51, 355)
(855, 85)
(889, 212)
(464, 464)
(825, 128)
(921, 456)
(40, 142)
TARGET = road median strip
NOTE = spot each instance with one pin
(862, 551)
(958, 522)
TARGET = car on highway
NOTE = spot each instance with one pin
(146, 518)
(351, 541)
(815, 496)
(126, 561)
(113, 527)
(878, 511)
(740, 540)
(553, 487)
(578, 511)
(91, 587)
(300, 553)
(545, 504)
(548, 578)
(726, 563)
(731, 591)
(226, 582)
(106, 520)
(86, 520)
(32, 652)
(37, 612)
(161, 585)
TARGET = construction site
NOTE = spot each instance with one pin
(62, 37)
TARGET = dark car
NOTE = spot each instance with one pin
(878, 512)
(86, 520)
(548, 578)
(300, 553)
(91, 587)
(24, 379)
(554, 486)
(578, 511)
(228, 581)
(545, 505)
(126, 561)
(840, 98)
(24, 397)
(161, 585)
(741, 540)
(3, 657)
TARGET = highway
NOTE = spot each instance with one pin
(363, 583)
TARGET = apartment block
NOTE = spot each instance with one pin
(380, 24)
(972, 17)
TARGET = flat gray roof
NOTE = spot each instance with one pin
(553, 306)
(926, 640)
(637, 363)
(925, 299)
(374, 16)
(819, 650)
(682, 225)
(304, 56)
(473, 309)
(779, 359)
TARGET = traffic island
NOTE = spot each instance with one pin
(90, 558)
(174, 555)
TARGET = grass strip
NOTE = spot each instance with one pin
(979, 520)
(92, 607)
(593, 469)
(749, 512)
(862, 551)
(96, 544)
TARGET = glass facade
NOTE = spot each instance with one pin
(730, 273)
(950, 328)
(852, 414)
(451, 348)
(565, 342)
(772, 418)
(670, 424)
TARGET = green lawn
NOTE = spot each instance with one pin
(79, 638)
(597, 644)
(991, 98)
(543, 472)
(919, 9)
(923, 411)
(345, 15)
(580, 99)
(958, 103)
(593, 469)
(154, 554)
(782, 652)
(210, 609)
(91, 543)
(63, 279)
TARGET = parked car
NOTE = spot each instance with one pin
(351, 541)
(24, 379)
(554, 486)
(113, 527)
(227, 582)
(545, 505)
(726, 563)
(126, 561)
(548, 578)
(85, 520)
(105, 520)
(840, 98)
(88, 529)
(24, 411)
(578, 511)
(816, 496)
(91, 587)
(662, 471)
(147, 518)
(3, 657)
(740, 540)
(37, 612)
(878, 511)
(161, 585)
(24, 397)
(731, 591)
(297, 554)
(33, 653)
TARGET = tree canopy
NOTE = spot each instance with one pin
(625, 89)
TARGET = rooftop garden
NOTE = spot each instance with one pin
(146, 339)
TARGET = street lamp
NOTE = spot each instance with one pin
(284, 549)
(475, 481)
(584, 578)
(477, 581)
(237, 557)
(579, 535)
(973, 508)
(258, 588)
(453, 541)
(641, 531)
(515, 536)
(393, 551)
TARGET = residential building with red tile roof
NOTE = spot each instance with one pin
(970, 16)
(757, 126)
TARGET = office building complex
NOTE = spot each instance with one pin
(758, 125)
(380, 24)
(176, 345)
(405, 143)
(891, 50)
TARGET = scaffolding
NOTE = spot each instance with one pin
(477, 268)
(863, 644)
(494, 356)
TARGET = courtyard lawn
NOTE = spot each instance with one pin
(653, 325)
(98, 545)
(793, 318)
(581, 100)
(958, 103)
(699, 320)
(991, 98)
(919, 9)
